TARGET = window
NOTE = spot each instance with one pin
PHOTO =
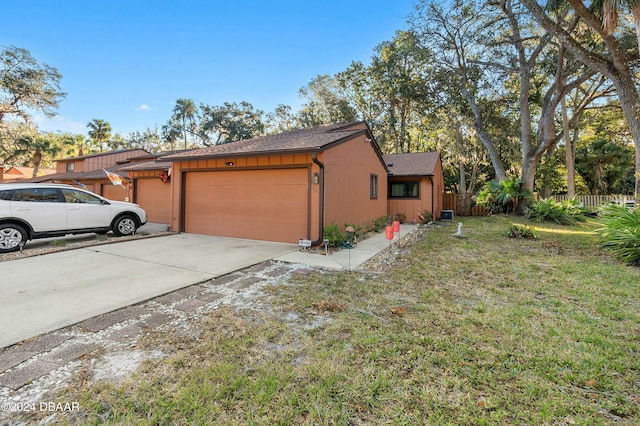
(404, 190)
(38, 195)
(73, 196)
(6, 195)
(373, 186)
(70, 167)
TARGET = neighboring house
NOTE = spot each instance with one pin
(87, 171)
(282, 187)
(416, 184)
(13, 174)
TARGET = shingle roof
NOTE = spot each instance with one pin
(90, 175)
(147, 165)
(412, 164)
(310, 139)
(157, 161)
(150, 156)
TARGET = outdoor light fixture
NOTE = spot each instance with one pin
(314, 179)
(228, 164)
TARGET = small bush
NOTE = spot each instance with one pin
(566, 212)
(428, 216)
(334, 235)
(400, 217)
(380, 223)
(517, 230)
(621, 232)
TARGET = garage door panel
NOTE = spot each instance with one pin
(257, 204)
(154, 196)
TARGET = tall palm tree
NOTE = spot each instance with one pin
(100, 131)
(185, 110)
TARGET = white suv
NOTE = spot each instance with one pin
(30, 211)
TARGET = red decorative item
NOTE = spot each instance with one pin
(164, 176)
(396, 226)
(389, 232)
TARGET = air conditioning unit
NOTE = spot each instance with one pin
(446, 214)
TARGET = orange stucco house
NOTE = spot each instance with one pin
(283, 187)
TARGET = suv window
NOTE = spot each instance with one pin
(6, 195)
(41, 195)
(73, 196)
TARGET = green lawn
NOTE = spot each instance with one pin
(480, 330)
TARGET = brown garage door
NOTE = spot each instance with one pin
(153, 196)
(113, 192)
(269, 205)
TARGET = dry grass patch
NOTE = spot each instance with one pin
(481, 330)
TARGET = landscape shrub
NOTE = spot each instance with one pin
(502, 197)
(621, 232)
(380, 223)
(567, 212)
(334, 235)
(519, 231)
(428, 216)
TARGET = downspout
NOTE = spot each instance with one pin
(320, 239)
(433, 206)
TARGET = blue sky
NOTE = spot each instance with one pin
(127, 62)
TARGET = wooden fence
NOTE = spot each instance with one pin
(462, 205)
(595, 201)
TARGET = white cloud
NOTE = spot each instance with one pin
(145, 107)
(59, 123)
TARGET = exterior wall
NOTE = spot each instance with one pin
(108, 160)
(78, 165)
(348, 169)
(179, 169)
(438, 181)
(411, 206)
(97, 162)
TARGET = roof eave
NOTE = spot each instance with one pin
(249, 154)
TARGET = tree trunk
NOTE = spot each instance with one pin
(630, 103)
(36, 160)
(461, 168)
(545, 192)
(485, 138)
(568, 144)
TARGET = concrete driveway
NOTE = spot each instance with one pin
(44, 293)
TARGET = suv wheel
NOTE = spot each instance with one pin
(124, 225)
(11, 236)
